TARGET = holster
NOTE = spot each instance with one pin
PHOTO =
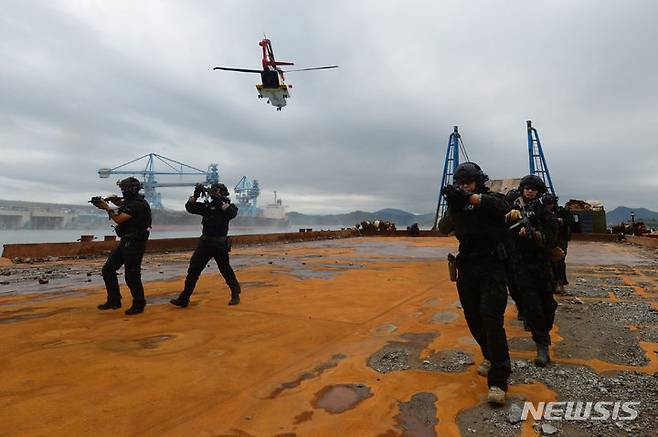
(452, 267)
(557, 254)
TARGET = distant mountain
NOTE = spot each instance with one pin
(623, 214)
(401, 218)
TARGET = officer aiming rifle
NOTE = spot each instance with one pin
(535, 240)
(133, 221)
(477, 218)
(216, 210)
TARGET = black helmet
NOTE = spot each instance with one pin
(470, 171)
(130, 185)
(533, 181)
(218, 188)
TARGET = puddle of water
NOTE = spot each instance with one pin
(397, 248)
(317, 371)
(338, 398)
(595, 253)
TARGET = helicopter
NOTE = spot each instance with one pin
(273, 85)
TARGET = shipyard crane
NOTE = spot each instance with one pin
(455, 144)
(536, 162)
(172, 168)
(536, 159)
(246, 194)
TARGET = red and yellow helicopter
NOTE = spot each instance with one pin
(273, 87)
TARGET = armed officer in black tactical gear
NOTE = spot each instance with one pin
(213, 242)
(512, 261)
(133, 221)
(563, 218)
(477, 217)
(535, 232)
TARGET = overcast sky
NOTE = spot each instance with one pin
(91, 84)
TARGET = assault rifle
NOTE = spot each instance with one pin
(456, 196)
(96, 200)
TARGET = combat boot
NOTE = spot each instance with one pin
(180, 302)
(526, 326)
(496, 396)
(136, 308)
(110, 305)
(235, 297)
(542, 358)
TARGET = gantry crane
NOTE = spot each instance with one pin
(455, 144)
(536, 159)
(174, 168)
(246, 194)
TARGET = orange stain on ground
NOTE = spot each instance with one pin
(309, 320)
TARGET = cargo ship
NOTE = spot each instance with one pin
(273, 215)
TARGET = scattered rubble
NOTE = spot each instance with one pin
(484, 420)
(450, 360)
(609, 336)
(581, 383)
(514, 414)
(375, 226)
(418, 416)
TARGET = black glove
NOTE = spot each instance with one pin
(455, 196)
(198, 189)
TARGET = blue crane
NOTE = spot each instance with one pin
(455, 144)
(149, 171)
(246, 194)
(536, 159)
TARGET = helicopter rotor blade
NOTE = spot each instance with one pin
(312, 68)
(241, 70)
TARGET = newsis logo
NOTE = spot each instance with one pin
(581, 411)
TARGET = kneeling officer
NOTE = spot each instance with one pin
(133, 220)
(213, 242)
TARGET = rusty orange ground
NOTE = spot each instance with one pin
(212, 370)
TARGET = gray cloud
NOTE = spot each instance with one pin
(94, 84)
